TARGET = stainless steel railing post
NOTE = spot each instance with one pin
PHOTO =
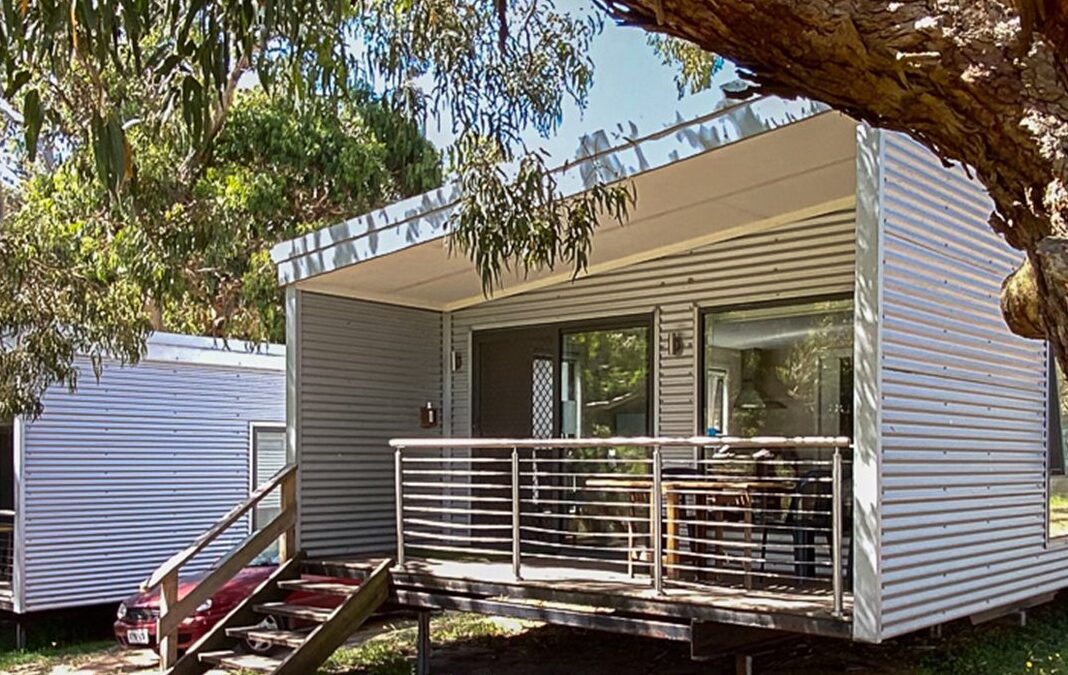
(657, 521)
(398, 487)
(516, 556)
(836, 531)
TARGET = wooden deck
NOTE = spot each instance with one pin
(608, 600)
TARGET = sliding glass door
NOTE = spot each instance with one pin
(572, 380)
(604, 388)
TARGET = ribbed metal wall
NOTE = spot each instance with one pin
(365, 370)
(804, 259)
(128, 470)
(963, 407)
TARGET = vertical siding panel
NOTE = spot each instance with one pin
(963, 427)
(366, 369)
(128, 470)
(808, 258)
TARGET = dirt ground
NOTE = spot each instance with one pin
(550, 650)
(112, 661)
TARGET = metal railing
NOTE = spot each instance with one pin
(757, 513)
(7, 549)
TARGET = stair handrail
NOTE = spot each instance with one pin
(282, 527)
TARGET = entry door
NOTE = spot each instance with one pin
(515, 381)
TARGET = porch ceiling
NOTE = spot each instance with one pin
(792, 172)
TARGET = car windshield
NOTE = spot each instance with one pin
(268, 558)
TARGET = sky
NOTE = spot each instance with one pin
(630, 85)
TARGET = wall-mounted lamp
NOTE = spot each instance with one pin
(457, 361)
(675, 343)
(428, 416)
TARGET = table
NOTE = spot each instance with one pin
(722, 492)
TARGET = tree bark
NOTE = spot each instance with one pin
(983, 82)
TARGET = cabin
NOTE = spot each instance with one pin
(111, 479)
(781, 399)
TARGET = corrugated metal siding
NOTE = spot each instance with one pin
(365, 370)
(804, 259)
(964, 407)
(130, 469)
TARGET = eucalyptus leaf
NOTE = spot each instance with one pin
(33, 118)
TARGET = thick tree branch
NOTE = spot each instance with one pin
(981, 82)
(192, 163)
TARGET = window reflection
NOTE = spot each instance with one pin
(1058, 482)
(780, 371)
(603, 384)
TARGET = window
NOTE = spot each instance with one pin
(604, 382)
(782, 370)
(1057, 480)
(268, 448)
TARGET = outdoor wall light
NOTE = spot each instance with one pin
(428, 416)
(675, 343)
(457, 361)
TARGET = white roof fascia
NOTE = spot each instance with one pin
(606, 156)
(163, 347)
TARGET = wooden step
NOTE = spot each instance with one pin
(238, 661)
(324, 639)
(280, 638)
(321, 587)
(306, 612)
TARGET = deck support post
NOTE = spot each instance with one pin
(743, 664)
(656, 516)
(422, 646)
(836, 532)
(516, 549)
(20, 635)
(398, 492)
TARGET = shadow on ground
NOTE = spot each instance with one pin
(550, 650)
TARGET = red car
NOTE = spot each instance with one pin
(135, 625)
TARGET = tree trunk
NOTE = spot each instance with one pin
(983, 82)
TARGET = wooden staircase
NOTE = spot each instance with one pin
(296, 651)
(317, 632)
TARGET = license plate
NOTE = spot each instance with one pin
(137, 636)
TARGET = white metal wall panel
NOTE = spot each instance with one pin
(963, 428)
(122, 474)
(365, 371)
(809, 258)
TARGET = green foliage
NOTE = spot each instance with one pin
(695, 67)
(521, 222)
(133, 102)
(83, 273)
(60, 295)
(276, 171)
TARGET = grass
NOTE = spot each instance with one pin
(56, 637)
(1040, 648)
(389, 652)
(43, 657)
